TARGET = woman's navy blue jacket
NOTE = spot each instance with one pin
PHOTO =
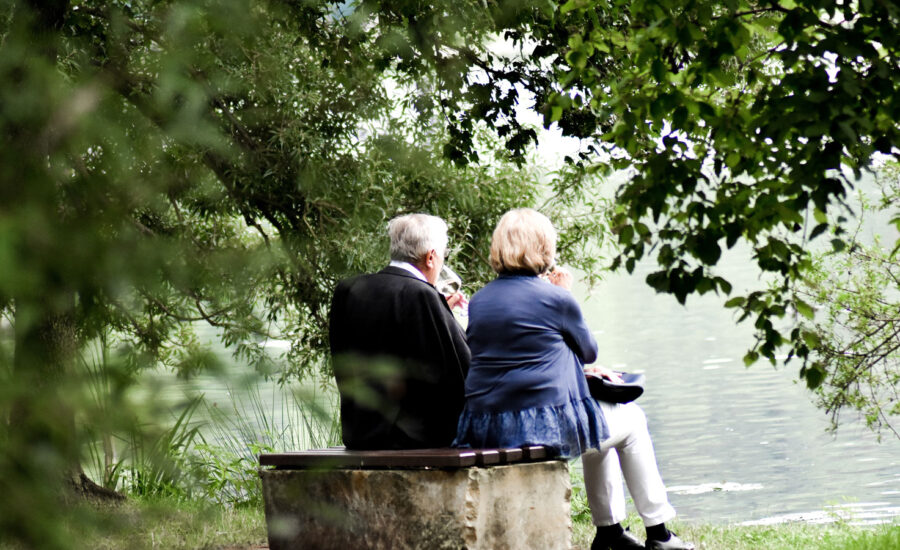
(529, 344)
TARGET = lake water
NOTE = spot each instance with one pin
(736, 444)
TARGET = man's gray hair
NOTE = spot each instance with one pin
(414, 235)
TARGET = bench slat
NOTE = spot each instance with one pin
(536, 452)
(338, 457)
(487, 457)
(370, 459)
(508, 456)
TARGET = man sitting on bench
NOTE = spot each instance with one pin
(400, 358)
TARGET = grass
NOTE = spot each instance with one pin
(151, 523)
(790, 536)
(170, 523)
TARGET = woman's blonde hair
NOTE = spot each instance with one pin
(523, 241)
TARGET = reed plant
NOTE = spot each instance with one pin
(94, 364)
(159, 457)
(150, 459)
(130, 446)
(285, 418)
(193, 447)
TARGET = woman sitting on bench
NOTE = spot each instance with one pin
(526, 386)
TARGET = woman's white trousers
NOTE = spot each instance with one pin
(628, 452)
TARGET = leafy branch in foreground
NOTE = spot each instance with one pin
(736, 119)
(855, 338)
(160, 165)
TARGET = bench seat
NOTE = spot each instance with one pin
(341, 458)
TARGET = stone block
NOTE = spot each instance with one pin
(517, 506)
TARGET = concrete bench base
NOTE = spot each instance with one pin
(513, 506)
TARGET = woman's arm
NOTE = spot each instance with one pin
(574, 330)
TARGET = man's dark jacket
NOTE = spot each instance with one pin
(400, 360)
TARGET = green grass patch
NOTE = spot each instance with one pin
(173, 523)
(789, 536)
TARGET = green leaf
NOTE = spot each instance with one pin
(732, 159)
(818, 230)
(812, 339)
(658, 280)
(814, 375)
(849, 133)
(750, 358)
(724, 285)
(703, 286)
(679, 117)
(658, 69)
(555, 113)
(804, 309)
(572, 5)
(708, 251)
(577, 59)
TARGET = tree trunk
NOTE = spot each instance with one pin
(42, 433)
(42, 416)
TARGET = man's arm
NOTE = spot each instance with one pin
(441, 389)
(453, 353)
(336, 326)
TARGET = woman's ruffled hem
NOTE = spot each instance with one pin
(571, 428)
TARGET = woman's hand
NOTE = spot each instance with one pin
(457, 299)
(560, 277)
(604, 372)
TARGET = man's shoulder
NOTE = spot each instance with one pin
(390, 280)
(389, 276)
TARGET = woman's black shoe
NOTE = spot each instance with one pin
(624, 541)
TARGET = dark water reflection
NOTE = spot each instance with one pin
(736, 444)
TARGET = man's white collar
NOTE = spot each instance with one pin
(409, 267)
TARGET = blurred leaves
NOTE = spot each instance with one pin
(220, 162)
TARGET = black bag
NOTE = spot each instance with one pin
(631, 387)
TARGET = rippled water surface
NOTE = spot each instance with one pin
(736, 444)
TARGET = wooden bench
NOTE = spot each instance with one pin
(341, 458)
(423, 498)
